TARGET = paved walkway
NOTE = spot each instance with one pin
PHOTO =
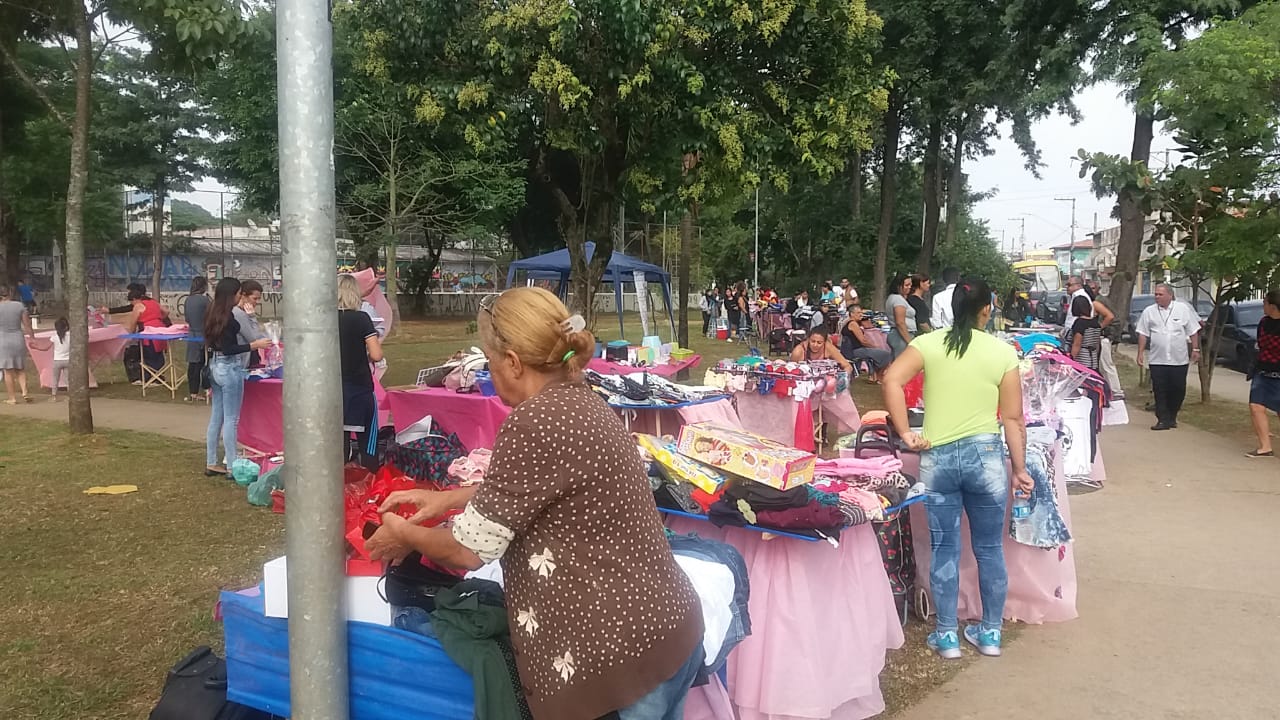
(175, 419)
(1179, 596)
(1179, 585)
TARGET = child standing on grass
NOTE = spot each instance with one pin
(60, 343)
(61, 354)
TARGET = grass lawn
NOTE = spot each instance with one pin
(102, 594)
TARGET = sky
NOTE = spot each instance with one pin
(1106, 126)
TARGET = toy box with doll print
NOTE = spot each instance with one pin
(750, 456)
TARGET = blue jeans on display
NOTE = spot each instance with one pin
(226, 379)
(727, 555)
(968, 476)
(666, 702)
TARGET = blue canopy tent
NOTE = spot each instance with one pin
(620, 271)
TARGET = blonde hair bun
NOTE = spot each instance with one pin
(538, 328)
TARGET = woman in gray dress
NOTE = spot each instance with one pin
(14, 325)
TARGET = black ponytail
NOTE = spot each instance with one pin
(967, 302)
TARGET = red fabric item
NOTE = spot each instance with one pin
(358, 567)
(364, 497)
(804, 427)
(705, 499)
(914, 391)
(152, 315)
(277, 502)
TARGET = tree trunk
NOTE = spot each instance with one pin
(393, 207)
(79, 411)
(157, 238)
(685, 282)
(10, 242)
(888, 193)
(955, 183)
(932, 204)
(1132, 220)
(855, 187)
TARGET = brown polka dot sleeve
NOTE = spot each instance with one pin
(600, 613)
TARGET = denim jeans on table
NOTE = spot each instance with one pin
(665, 702)
(226, 379)
(727, 555)
(969, 476)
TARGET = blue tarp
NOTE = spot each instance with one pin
(394, 674)
(555, 266)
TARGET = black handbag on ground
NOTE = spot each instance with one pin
(196, 689)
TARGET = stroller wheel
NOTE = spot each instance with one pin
(922, 603)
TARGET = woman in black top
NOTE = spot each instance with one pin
(358, 346)
(854, 345)
(226, 374)
(1264, 392)
(919, 286)
(1086, 334)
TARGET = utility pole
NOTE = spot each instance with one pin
(312, 420)
(1022, 237)
(1071, 258)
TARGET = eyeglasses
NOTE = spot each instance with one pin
(487, 304)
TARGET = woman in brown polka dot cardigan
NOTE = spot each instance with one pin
(603, 621)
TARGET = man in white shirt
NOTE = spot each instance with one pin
(940, 318)
(1076, 287)
(1171, 331)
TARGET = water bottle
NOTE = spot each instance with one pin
(1021, 505)
(1020, 528)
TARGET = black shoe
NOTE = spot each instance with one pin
(1162, 426)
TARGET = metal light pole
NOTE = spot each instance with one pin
(757, 255)
(1071, 258)
(1022, 237)
(312, 406)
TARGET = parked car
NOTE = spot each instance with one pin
(1141, 302)
(1053, 308)
(1238, 345)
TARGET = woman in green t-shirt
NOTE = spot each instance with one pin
(970, 376)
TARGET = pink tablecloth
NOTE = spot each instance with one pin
(1042, 583)
(669, 422)
(605, 367)
(474, 417)
(784, 420)
(105, 345)
(821, 621)
(261, 426)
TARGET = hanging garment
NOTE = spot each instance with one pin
(470, 621)
(1044, 528)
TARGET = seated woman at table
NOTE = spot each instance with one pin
(855, 345)
(358, 345)
(147, 313)
(969, 377)
(226, 374)
(603, 621)
(818, 346)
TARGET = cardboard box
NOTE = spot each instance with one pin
(364, 601)
(751, 456)
(666, 454)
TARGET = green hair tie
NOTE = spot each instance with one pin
(566, 357)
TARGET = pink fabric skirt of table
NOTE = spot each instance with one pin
(474, 417)
(105, 345)
(821, 621)
(604, 367)
(784, 420)
(261, 428)
(648, 421)
(1042, 583)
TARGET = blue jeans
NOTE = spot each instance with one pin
(968, 476)
(666, 702)
(226, 379)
